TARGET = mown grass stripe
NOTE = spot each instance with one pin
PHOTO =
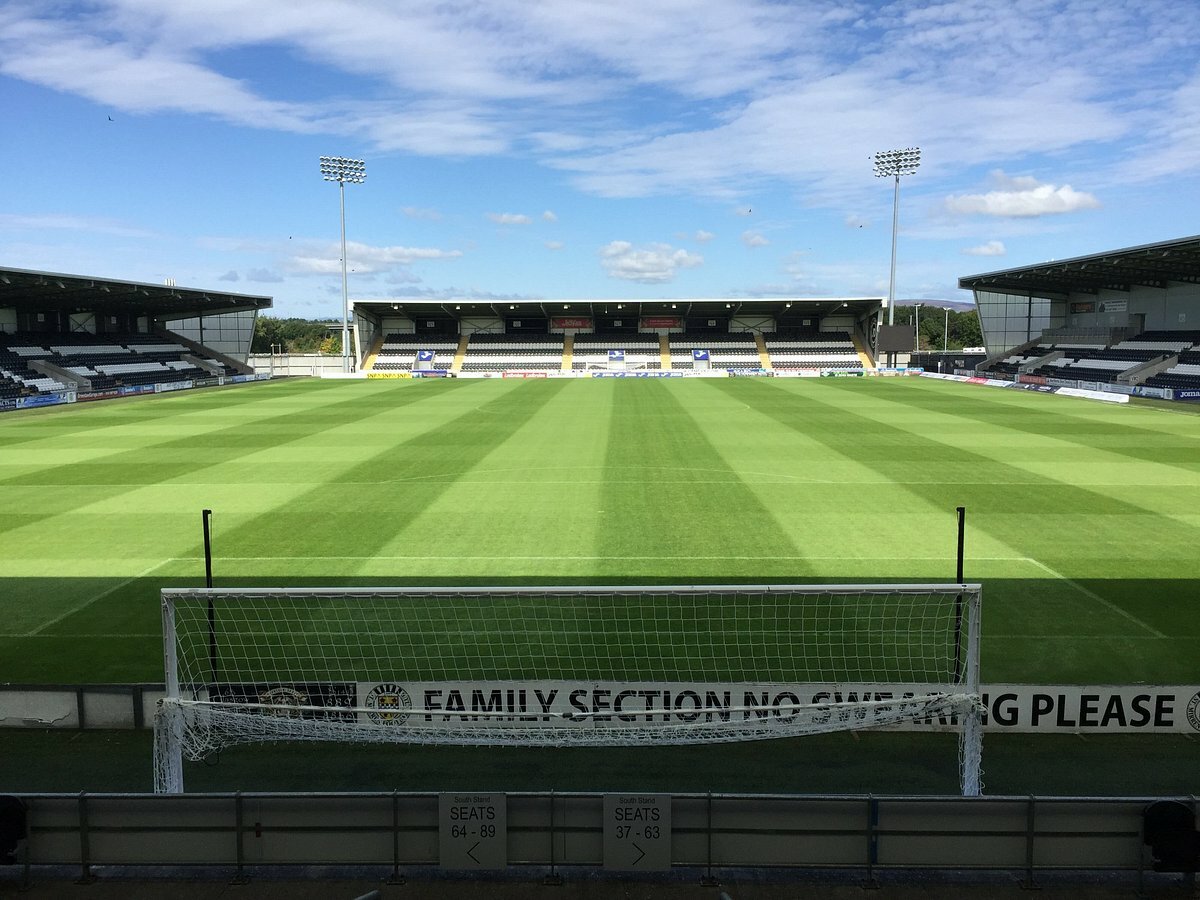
(650, 426)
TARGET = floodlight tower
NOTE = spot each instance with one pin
(893, 164)
(342, 170)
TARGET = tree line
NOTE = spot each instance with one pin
(964, 327)
(296, 336)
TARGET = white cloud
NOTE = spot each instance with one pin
(754, 239)
(509, 218)
(417, 212)
(71, 223)
(231, 275)
(1021, 197)
(265, 276)
(856, 221)
(649, 264)
(991, 248)
(549, 216)
(554, 245)
(703, 237)
(365, 259)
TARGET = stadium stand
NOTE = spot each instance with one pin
(399, 352)
(727, 350)
(591, 350)
(102, 362)
(513, 352)
(800, 348)
(1184, 374)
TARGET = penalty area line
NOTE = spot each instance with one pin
(1107, 604)
(89, 601)
(459, 557)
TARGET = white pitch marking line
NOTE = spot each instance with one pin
(1093, 595)
(86, 603)
(459, 557)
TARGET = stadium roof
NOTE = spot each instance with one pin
(458, 309)
(1150, 265)
(27, 290)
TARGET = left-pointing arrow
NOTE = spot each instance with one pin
(471, 852)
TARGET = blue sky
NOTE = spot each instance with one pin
(579, 149)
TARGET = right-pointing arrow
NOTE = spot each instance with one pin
(641, 853)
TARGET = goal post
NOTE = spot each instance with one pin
(564, 666)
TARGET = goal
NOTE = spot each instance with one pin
(562, 666)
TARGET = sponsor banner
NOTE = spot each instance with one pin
(1187, 395)
(1040, 388)
(570, 322)
(1088, 385)
(661, 322)
(751, 373)
(433, 373)
(377, 375)
(126, 390)
(11, 403)
(1109, 709)
(967, 372)
(541, 374)
(843, 373)
(260, 376)
(1112, 388)
(1093, 395)
(239, 379)
(1143, 391)
(1062, 382)
(313, 700)
(699, 355)
(426, 355)
(205, 382)
(1032, 379)
(1081, 308)
(652, 373)
(616, 356)
(940, 376)
(976, 379)
(165, 387)
(85, 396)
(46, 399)
(1113, 306)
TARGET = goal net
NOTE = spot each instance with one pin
(563, 666)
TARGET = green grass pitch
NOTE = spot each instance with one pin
(1083, 518)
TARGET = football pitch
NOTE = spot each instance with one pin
(1083, 519)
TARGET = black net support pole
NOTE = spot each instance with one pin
(958, 603)
(205, 518)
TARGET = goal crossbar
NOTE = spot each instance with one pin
(562, 666)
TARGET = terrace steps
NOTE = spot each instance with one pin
(568, 356)
(460, 354)
(373, 354)
(664, 352)
(764, 357)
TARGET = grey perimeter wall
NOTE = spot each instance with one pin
(567, 832)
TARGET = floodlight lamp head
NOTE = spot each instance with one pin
(894, 163)
(339, 168)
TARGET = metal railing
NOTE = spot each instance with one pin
(553, 833)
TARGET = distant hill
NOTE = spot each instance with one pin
(956, 305)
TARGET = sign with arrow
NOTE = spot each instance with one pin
(637, 832)
(473, 831)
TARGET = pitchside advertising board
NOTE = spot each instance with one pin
(1143, 709)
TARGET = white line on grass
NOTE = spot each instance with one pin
(1093, 595)
(460, 557)
(88, 602)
